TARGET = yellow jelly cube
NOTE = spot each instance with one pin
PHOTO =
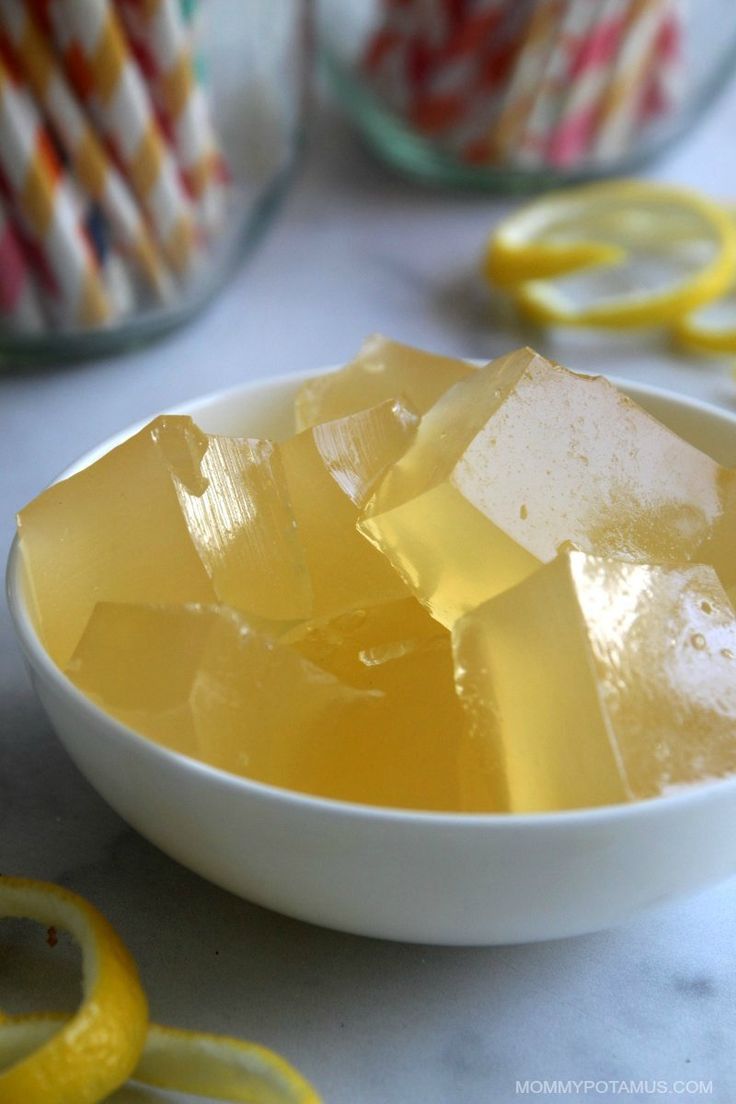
(411, 750)
(523, 458)
(171, 515)
(597, 681)
(201, 681)
(382, 370)
(353, 645)
(330, 470)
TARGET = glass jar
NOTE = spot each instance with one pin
(518, 95)
(144, 145)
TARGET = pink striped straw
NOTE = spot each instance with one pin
(569, 137)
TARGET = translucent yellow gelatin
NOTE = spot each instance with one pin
(171, 515)
(410, 750)
(596, 681)
(383, 369)
(330, 469)
(201, 681)
(525, 457)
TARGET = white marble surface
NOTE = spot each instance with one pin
(354, 250)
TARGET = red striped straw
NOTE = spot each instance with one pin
(567, 139)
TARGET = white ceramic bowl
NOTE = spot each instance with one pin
(424, 877)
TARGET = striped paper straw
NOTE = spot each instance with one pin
(105, 75)
(577, 23)
(533, 59)
(456, 67)
(471, 140)
(444, 65)
(569, 136)
(19, 303)
(87, 156)
(622, 104)
(391, 60)
(666, 84)
(42, 199)
(160, 40)
(114, 270)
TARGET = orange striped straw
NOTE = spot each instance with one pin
(43, 201)
(161, 42)
(534, 57)
(88, 158)
(622, 103)
(104, 74)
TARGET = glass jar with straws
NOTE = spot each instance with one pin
(143, 144)
(515, 95)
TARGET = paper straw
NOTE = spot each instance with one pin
(41, 197)
(388, 59)
(567, 139)
(531, 63)
(113, 268)
(87, 156)
(472, 141)
(443, 66)
(160, 40)
(667, 81)
(623, 99)
(576, 24)
(19, 303)
(456, 68)
(99, 63)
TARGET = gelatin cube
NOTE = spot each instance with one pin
(525, 457)
(171, 515)
(199, 680)
(719, 548)
(338, 643)
(383, 369)
(329, 468)
(357, 450)
(595, 681)
(412, 750)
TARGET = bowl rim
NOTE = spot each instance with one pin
(661, 805)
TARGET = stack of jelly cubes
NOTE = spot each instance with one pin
(501, 589)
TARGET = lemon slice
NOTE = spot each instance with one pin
(545, 238)
(96, 1049)
(213, 1066)
(712, 329)
(620, 254)
(694, 331)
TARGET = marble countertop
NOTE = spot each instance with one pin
(354, 250)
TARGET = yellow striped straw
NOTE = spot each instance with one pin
(43, 201)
